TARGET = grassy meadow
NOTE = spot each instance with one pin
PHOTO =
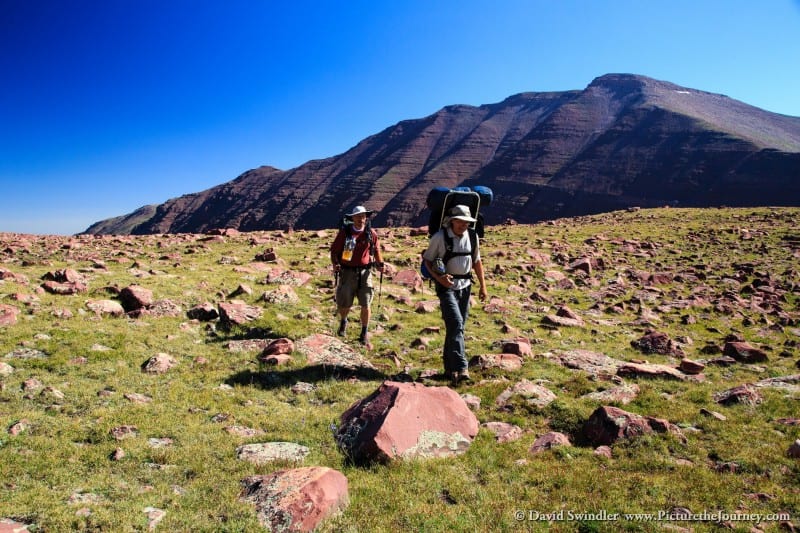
(76, 376)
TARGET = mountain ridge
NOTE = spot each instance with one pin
(623, 140)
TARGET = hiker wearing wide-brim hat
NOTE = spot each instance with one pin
(355, 252)
(457, 246)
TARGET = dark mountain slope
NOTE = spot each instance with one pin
(123, 224)
(624, 140)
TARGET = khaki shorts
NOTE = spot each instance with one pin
(352, 283)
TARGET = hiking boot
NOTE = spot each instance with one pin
(363, 338)
(463, 375)
(342, 328)
(453, 378)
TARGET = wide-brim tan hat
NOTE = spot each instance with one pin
(360, 210)
(460, 212)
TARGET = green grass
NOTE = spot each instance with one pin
(65, 451)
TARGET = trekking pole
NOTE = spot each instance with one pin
(335, 305)
(380, 288)
(335, 285)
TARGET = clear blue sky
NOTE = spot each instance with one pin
(109, 105)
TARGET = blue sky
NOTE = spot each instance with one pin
(109, 105)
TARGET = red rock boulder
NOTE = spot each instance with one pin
(657, 342)
(503, 361)
(519, 346)
(609, 424)
(8, 315)
(236, 313)
(744, 352)
(64, 289)
(277, 352)
(745, 394)
(203, 312)
(649, 370)
(135, 297)
(8, 525)
(406, 420)
(66, 275)
(548, 441)
(408, 278)
(298, 499)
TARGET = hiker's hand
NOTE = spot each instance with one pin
(337, 267)
(446, 280)
(482, 294)
(380, 267)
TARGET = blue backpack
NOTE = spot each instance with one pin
(439, 201)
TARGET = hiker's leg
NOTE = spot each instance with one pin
(343, 312)
(345, 293)
(453, 349)
(462, 297)
(463, 302)
(347, 288)
(363, 337)
(365, 293)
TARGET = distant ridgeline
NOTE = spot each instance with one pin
(624, 141)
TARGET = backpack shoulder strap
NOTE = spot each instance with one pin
(448, 245)
(448, 240)
(473, 242)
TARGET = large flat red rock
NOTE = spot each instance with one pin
(407, 420)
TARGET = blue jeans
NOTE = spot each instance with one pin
(455, 308)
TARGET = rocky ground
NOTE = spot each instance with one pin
(194, 368)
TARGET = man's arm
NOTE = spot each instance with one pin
(378, 254)
(479, 271)
(436, 249)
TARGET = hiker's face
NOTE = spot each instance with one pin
(360, 220)
(459, 226)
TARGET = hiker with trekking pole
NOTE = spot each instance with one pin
(355, 252)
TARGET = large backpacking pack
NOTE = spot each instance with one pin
(440, 200)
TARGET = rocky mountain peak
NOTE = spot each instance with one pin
(626, 140)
